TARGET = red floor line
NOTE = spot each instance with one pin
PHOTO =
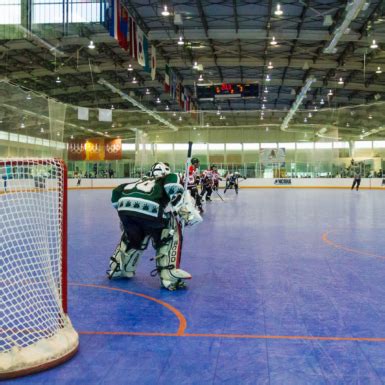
(342, 247)
(236, 336)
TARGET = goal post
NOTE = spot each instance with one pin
(35, 330)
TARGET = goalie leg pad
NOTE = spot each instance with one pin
(168, 258)
(124, 261)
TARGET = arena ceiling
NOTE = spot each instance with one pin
(230, 39)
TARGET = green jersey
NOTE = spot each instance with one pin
(148, 197)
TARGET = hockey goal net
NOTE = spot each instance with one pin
(35, 331)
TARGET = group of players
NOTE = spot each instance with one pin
(158, 207)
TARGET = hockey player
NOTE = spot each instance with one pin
(152, 207)
(232, 181)
(193, 182)
(216, 177)
(207, 183)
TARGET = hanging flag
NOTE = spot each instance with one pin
(133, 39)
(83, 113)
(123, 27)
(153, 62)
(167, 79)
(140, 46)
(147, 64)
(174, 81)
(105, 115)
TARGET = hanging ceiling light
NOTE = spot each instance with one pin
(378, 71)
(270, 66)
(165, 11)
(330, 93)
(305, 120)
(148, 91)
(340, 81)
(278, 11)
(268, 78)
(273, 41)
(22, 125)
(134, 81)
(58, 80)
(370, 117)
(167, 107)
(266, 91)
(130, 68)
(322, 102)
(263, 107)
(180, 41)
(195, 66)
(310, 115)
(374, 45)
(158, 100)
(29, 97)
(91, 45)
(200, 78)
(42, 130)
(112, 107)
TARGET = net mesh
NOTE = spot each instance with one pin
(33, 326)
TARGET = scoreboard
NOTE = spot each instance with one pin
(227, 91)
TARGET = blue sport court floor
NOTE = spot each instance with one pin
(288, 288)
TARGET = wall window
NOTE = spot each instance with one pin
(287, 146)
(322, 145)
(233, 146)
(363, 144)
(341, 144)
(250, 146)
(305, 146)
(10, 12)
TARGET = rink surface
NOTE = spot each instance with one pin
(288, 288)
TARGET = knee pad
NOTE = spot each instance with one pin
(168, 258)
(124, 261)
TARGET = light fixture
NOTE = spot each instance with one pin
(322, 102)
(42, 130)
(22, 125)
(174, 113)
(370, 117)
(361, 137)
(363, 130)
(267, 129)
(91, 45)
(195, 66)
(29, 97)
(266, 91)
(261, 117)
(105, 132)
(165, 11)
(305, 120)
(278, 11)
(330, 93)
(194, 128)
(180, 41)
(130, 68)
(180, 118)
(207, 125)
(268, 78)
(270, 66)
(112, 107)
(200, 78)
(158, 100)
(218, 112)
(167, 107)
(347, 124)
(148, 91)
(315, 108)
(374, 45)
(378, 71)
(134, 81)
(340, 81)
(58, 80)
(352, 11)
(263, 107)
(58, 133)
(310, 115)
(71, 136)
(264, 99)
(262, 113)
(273, 41)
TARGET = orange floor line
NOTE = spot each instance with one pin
(178, 314)
(342, 247)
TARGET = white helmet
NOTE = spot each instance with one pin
(159, 169)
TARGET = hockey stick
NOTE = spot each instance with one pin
(188, 161)
(220, 196)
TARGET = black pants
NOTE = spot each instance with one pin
(208, 190)
(136, 229)
(229, 185)
(356, 182)
(195, 194)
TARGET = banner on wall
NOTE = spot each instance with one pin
(112, 149)
(76, 150)
(95, 149)
(272, 155)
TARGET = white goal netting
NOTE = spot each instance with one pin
(35, 332)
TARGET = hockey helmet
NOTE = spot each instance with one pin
(194, 160)
(159, 169)
(213, 166)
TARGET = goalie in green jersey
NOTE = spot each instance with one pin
(154, 207)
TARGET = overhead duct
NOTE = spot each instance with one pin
(137, 104)
(352, 11)
(297, 103)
